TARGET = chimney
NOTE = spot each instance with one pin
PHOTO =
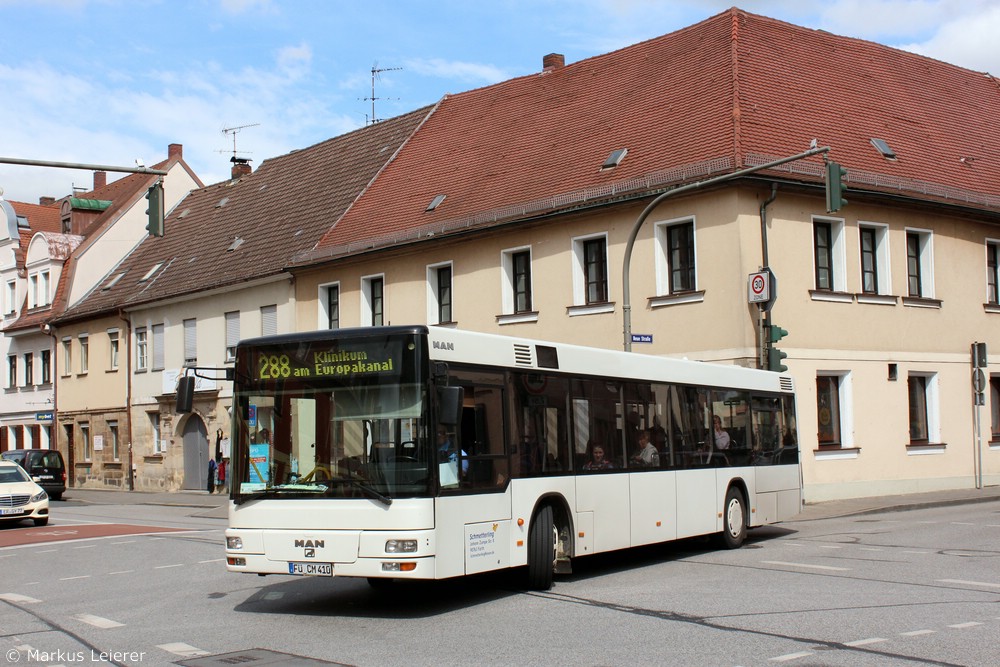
(100, 179)
(175, 151)
(553, 61)
(241, 167)
(46, 201)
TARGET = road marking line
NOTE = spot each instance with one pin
(214, 560)
(962, 523)
(916, 552)
(791, 656)
(17, 598)
(84, 576)
(831, 546)
(85, 546)
(164, 567)
(48, 551)
(98, 621)
(871, 549)
(865, 642)
(122, 572)
(917, 633)
(807, 565)
(970, 624)
(968, 583)
(125, 542)
(182, 649)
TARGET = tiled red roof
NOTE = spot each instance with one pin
(280, 209)
(731, 89)
(41, 218)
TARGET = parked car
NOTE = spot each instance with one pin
(45, 466)
(20, 498)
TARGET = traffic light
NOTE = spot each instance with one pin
(835, 187)
(155, 210)
(774, 357)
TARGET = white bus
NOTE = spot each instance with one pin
(427, 453)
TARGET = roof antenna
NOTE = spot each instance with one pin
(376, 71)
(233, 131)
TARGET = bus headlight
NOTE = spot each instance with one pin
(400, 546)
(234, 543)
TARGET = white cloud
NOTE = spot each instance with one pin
(454, 69)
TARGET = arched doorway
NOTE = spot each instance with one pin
(195, 438)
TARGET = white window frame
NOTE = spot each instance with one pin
(933, 402)
(10, 298)
(33, 291)
(159, 348)
(366, 299)
(86, 441)
(663, 267)
(926, 259)
(84, 340)
(190, 327)
(580, 305)
(115, 438)
(433, 305)
(232, 334)
(159, 446)
(114, 347)
(323, 312)
(995, 244)
(883, 264)
(67, 356)
(141, 349)
(29, 369)
(838, 260)
(507, 287)
(845, 397)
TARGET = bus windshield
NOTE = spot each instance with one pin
(332, 418)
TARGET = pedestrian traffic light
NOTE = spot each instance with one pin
(835, 187)
(774, 357)
(155, 210)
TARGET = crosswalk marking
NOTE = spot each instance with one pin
(182, 649)
(98, 621)
(807, 565)
(968, 583)
(17, 598)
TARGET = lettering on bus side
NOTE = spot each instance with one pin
(442, 345)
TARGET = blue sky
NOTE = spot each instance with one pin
(112, 81)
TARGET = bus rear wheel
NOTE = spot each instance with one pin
(734, 518)
(542, 540)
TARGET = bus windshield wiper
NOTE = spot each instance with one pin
(368, 489)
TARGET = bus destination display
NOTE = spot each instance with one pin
(277, 364)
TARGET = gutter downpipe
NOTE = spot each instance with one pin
(128, 395)
(627, 262)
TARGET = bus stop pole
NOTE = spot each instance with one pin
(627, 263)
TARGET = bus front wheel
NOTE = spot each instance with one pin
(542, 540)
(734, 517)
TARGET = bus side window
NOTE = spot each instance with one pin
(480, 434)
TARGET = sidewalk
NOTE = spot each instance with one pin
(811, 512)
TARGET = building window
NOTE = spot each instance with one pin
(828, 255)
(84, 353)
(232, 334)
(833, 409)
(590, 270)
(67, 347)
(516, 296)
(373, 306)
(269, 320)
(919, 271)
(329, 300)
(12, 371)
(995, 408)
(46, 290)
(85, 443)
(676, 262)
(113, 349)
(873, 241)
(115, 442)
(158, 347)
(190, 342)
(141, 350)
(439, 306)
(46, 367)
(159, 446)
(33, 290)
(992, 272)
(29, 369)
(10, 298)
(922, 397)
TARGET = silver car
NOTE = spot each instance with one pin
(21, 498)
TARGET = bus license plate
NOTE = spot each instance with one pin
(311, 569)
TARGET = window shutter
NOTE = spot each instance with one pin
(268, 320)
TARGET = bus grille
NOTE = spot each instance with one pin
(786, 383)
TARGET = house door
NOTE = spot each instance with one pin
(195, 454)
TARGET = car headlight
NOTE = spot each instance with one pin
(41, 495)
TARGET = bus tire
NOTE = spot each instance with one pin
(734, 519)
(541, 550)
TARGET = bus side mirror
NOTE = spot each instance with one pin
(450, 405)
(185, 394)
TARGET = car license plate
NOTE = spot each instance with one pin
(11, 511)
(311, 569)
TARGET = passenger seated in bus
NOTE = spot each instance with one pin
(647, 456)
(722, 438)
(597, 460)
(447, 452)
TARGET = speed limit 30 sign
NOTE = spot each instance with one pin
(759, 287)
